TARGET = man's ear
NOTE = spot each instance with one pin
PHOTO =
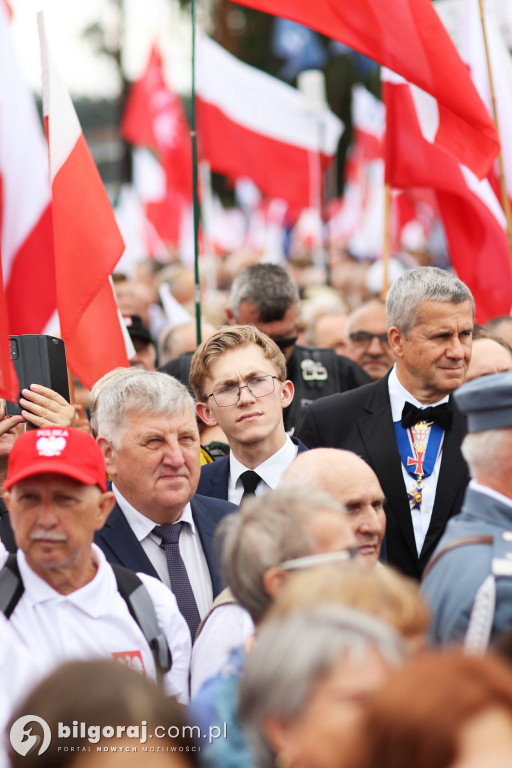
(205, 414)
(396, 341)
(230, 316)
(273, 580)
(105, 507)
(287, 392)
(109, 455)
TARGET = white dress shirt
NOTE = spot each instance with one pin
(94, 622)
(398, 396)
(271, 470)
(191, 550)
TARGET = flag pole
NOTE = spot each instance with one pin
(386, 250)
(501, 169)
(197, 287)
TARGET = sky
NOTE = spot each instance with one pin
(85, 72)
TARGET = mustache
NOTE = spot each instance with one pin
(40, 533)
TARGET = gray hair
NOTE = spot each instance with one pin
(407, 294)
(148, 392)
(487, 452)
(293, 654)
(268, 287)
(265, 533)
(98, 389)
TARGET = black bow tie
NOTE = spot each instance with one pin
(440, 414)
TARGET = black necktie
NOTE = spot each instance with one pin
(180, 583)
(439, 414)
(250, 480)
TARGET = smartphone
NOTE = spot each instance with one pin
(38, 359)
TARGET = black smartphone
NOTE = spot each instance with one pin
(38, 359)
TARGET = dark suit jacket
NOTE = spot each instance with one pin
(361, 421)
(214, 478)
(120, 545)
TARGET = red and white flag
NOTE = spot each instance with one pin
(408, 37)
(254, 125)
(88, 243)
(26, 237)
(473, 220)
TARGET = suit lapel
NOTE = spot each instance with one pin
(206, 525)
(217, 480)
(452, 475)
(378, 435)
(118, 537)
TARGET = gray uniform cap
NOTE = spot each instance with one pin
(487, 402)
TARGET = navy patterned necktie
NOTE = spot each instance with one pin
(180, 583)
(250, 480)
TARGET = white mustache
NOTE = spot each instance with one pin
(40, 533)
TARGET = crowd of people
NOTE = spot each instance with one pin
(289, 545)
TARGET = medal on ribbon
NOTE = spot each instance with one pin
(425, 440)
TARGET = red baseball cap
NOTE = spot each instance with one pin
(59, 450)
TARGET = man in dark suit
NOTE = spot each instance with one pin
(238, 376)
(148, 433)
(264, 295)
(414, 452)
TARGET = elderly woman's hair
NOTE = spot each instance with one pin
(380, 591)
(146, 392)
(292, 655)
(416, 718)
(265, 533)
(99, 693)
(407, 294)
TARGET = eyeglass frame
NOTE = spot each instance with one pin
(245, 386)
(368, 338)
(324, 558)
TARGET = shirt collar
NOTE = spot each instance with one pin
(93, 598)
(270, 470)
(476, 486)
(141, 525)
(398, 395)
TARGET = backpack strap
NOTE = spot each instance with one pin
(142, 610)
(11, 586)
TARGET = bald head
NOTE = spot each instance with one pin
(367, 343)
(352, 482)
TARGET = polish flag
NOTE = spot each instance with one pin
(26, 236)
(253, 125)
(473, 220)
(369, 123)
(88, 243)
(408, 37)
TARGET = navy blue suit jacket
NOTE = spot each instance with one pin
(120, 545)
(215, 476)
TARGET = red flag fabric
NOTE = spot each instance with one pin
(26, 236)
(473, 220)
(408, 37)
(88, 243)
(253, 125)
(9, 385)
(154, 118)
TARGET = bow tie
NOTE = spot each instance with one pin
(440, 414)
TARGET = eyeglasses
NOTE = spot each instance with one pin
(259, 386)
(325, 558)
(364, 339)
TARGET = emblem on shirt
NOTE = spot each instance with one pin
(313, 371)
(132, 659)
(52, 445)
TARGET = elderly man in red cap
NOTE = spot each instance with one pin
(67, 601)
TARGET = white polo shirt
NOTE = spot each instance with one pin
(94, 621)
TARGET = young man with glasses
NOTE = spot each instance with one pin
(238, 376)
(367, 339)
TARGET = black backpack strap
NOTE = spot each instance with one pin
(11, 586)
(141, 608)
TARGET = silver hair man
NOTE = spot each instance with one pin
(407, 294)
(145, 392)
(293, 655)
